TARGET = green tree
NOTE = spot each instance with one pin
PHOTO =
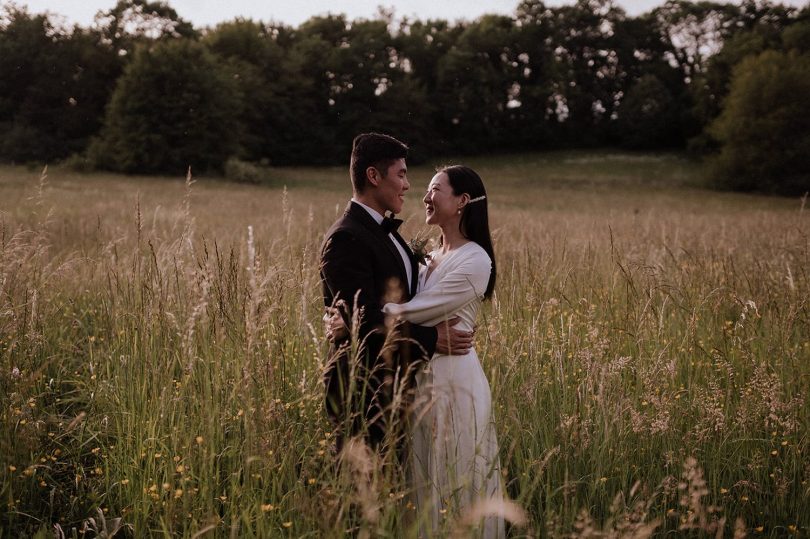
(255, 58)
(694, 31)
(312, 59)
(765, 126)
(133, 22)
(361, 71)
(172, 108)
(421, 46)
(758, 27)
(537, 72)
(647, 117)
(353, 78)
(54, 87)
(479, 82)
(589, 75)
(797, 36)
(28, 57)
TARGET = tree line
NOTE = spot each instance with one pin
(143, 91)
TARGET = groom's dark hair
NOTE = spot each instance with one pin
(373, 150)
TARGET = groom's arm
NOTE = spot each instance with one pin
(442, 339)
(348, 276)
(425, 338)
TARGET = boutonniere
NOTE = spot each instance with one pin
(419, 246)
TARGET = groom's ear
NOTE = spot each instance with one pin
(373, 176)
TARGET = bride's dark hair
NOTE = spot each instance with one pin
(474, 224)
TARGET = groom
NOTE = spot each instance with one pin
(365, 264)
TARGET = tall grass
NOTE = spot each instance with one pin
(648, 349)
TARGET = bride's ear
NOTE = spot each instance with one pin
(465, 199)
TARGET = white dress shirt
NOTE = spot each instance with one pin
(405, 258)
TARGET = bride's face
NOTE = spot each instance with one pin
(441, 205)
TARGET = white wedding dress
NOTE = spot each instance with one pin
(454, 457)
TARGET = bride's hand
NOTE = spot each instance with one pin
(334, 326)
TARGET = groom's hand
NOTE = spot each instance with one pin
(334, 326)
(452, 341)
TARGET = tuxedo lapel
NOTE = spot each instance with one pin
(359, 214)
(413, 262)
(414, 272)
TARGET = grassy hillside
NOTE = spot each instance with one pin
(648, 350)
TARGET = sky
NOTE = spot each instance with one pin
(294, 12)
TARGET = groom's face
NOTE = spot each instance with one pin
(391, 186)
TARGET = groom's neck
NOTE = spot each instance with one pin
(364, 198)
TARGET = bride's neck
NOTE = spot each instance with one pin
(452, 238)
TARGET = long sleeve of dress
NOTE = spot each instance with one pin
(465, 281)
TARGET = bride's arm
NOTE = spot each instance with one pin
(460, 285)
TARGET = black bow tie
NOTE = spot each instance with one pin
(390, 224)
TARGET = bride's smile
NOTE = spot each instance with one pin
(441, 204)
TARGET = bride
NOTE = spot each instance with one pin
(454, 459)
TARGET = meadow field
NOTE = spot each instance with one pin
(648, 349)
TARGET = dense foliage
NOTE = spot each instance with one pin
(580, 75)
(765, 126)
(171, 96)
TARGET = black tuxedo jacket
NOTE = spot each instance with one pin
(360, 265)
